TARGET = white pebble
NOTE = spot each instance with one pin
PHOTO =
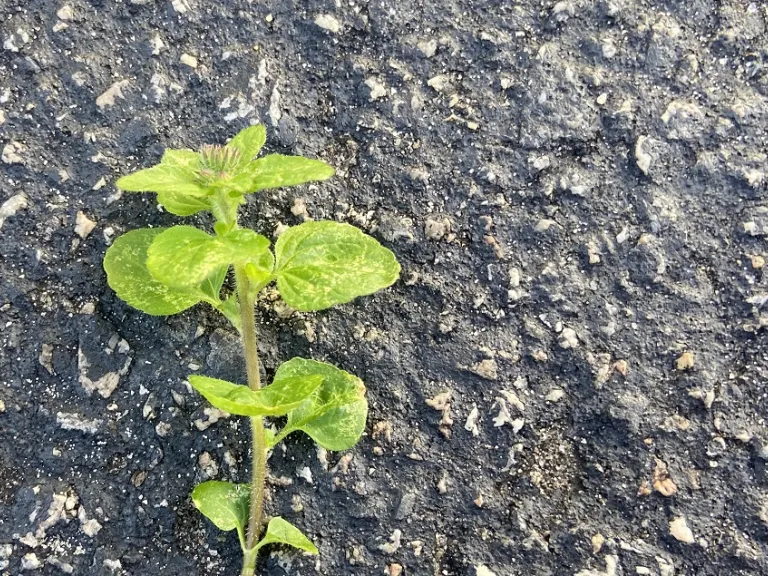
(680, 530)
(328, 22)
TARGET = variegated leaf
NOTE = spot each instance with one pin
(277, 399)
(334, 415)
(184, 256)
(320, 264)
(127, 274)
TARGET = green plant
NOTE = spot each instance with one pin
(316, 265)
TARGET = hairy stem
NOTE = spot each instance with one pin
(259, 472)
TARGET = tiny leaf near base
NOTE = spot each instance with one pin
(320, 264)
(334, 415)
(184, 256)
(231, 310)
(281, 531)
(224, 503)
(277, 399)
(127, 274)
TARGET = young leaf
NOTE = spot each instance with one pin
(183, 158)
(277, 399)
(320, 264)
(249, 141)
(181, 204)
(127, 274)
(231, 310)
(211, 286)
(176, 173)
(225, 504)
(185, 256)
(334, 415)
(277, 170)
(280, 531)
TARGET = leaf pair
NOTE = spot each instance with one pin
(185, 181)
(326, 403)
(317, 265)
(227, 505)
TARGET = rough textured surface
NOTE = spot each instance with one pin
(577, 193)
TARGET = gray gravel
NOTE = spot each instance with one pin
(569, 379)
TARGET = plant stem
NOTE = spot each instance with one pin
(259, 472)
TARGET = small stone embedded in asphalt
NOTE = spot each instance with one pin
(597, 542)
(568, 339)
(180, 6)
(306, 474)
(427, 47)
(439, 83)
(12, 152)
(435, 229)
(555, 395)
(83, 225)
(90, 526)
(405, 508)
(678, 527)
(471, 424)
(65, 13)
(486, 368)
(72, 421)
(188, 60)
(643, 158)
(11, 206)
(210, 416)
(328, 22)
(208, 465)
(377, 89)
(107, 98)
(30, 562)
(685, 361)
(394, 543)
(96, 376)
(611, 564)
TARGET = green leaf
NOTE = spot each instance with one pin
(280, 531)
(249, 141)
(185, 256)
(277, 170)
(225, 504)
(182, 158)
(260, 272)
(182, 205)
(177, 173)
(334, 415)
(231, 310)
(211, 286)
(320, 264)
(128, 276)
(277, 399)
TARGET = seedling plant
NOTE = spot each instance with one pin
(316, 265)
